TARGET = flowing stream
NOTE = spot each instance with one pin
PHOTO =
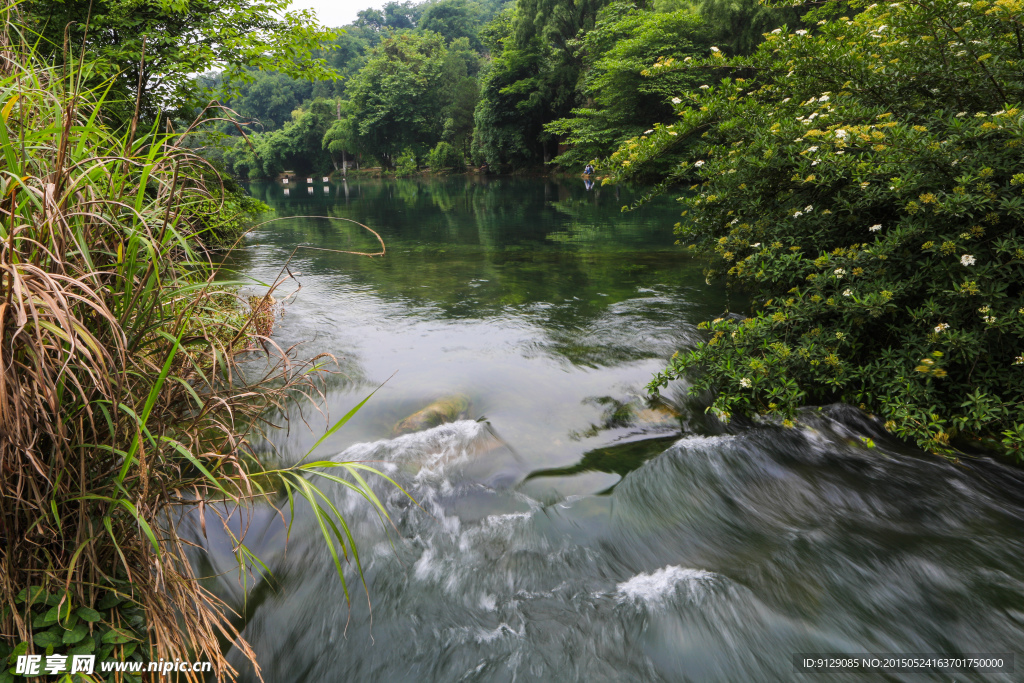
(568, 529)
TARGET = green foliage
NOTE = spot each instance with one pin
(394, 16)
(444, 156)
(453, 19)
(113, 629)
(124, 401)
(268, 100)
(298, 146)
(153, 48)
(738, 25)
(511, 113)
(871, 205)
(405, 164)
(626, 93)
(398, 98)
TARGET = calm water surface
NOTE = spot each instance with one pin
(569, 529)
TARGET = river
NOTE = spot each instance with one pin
(567, 528)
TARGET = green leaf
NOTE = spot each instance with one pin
(88, 614)
(85, 647)
(117, 636)
(47, 639)
(108, 600)
(33, 594)
(76, 634)
(45, 619)
(59, 612)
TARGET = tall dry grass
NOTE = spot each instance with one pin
(122, 395)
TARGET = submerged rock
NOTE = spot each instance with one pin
(447, 409)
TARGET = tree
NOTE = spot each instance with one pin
(625, 94)
(510, 114)
(398, 97)
(268, 99)
(395, 16)
(454, 19)
(297, 146)
(864, 187)
(153, 48)
(532, 79)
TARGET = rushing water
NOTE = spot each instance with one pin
(568, 530)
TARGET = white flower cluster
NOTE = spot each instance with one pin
(704, 87)
(876, 227)
(967, 260)
(840, 133)
(698, 164)
(745, 383)
(941, 327)
(676, 100)
(839, 273)
(801, 32)
(847, 292)
(1019, 360)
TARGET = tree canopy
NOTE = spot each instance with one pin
(152, 49)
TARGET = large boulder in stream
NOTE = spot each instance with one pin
(446, 409)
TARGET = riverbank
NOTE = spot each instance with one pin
(128, 398)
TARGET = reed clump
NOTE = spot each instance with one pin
(125, 397)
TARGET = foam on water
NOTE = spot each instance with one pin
(655, 588)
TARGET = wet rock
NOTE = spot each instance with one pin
(447, 409)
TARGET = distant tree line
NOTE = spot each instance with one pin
(454, 82)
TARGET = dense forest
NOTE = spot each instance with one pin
(448, 83)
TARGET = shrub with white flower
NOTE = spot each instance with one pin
(901, 148)
(745, 382)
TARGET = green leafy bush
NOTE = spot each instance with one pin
(405, 164)
(444, 156)
(865, 189)
(625, 93)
